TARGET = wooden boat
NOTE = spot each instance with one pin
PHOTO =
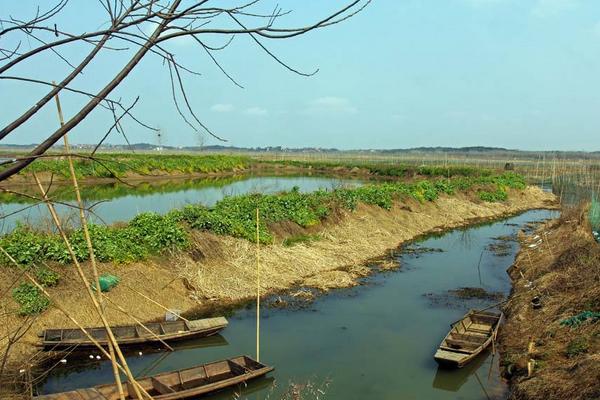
(133, 334)
(468, 337)
(175, 385)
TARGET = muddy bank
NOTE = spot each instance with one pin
(550, 344)
(219, 270)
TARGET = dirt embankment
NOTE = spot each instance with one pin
(219, 270)
(559, 268)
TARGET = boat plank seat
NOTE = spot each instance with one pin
(161, 386)
(484, 319)
(470, 337)
(462, 344)
(193, 378)
(483, 328)
(175, 327)
(450, 355)
(179, 384)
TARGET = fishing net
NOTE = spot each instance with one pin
(580, 318)
(107, 282)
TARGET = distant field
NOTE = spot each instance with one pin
(564, 171)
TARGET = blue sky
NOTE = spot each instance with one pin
(403, 73)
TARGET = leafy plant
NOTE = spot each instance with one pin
(151, 233)
(496, 196)
(46, 277)
(30, 298)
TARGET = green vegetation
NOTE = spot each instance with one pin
(576, 347)
(30, 298)
(145, 235)
(46, 277)
(119, 165)
(392, 169)
(595, 213)
(150, 233)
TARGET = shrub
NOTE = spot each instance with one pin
(46, 277)
(496, 196)
(30, 298)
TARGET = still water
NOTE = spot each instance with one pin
(375, 341)
(118, 202)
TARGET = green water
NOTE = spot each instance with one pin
(118, 202)
(375, 341)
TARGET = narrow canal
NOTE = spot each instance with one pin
(374, 341)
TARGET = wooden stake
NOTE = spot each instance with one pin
(257, 286)
(85, 283)
(88, 240)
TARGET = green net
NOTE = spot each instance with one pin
(107, 282)
(595, 217)
(580, 318)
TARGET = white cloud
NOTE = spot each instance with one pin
(331, 105)
(550, 8)
(256, 111)
(222, 108)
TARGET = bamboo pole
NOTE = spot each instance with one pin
(137, 322)
(88, 240)
(154, 302)
(257, 286)
(62, 309)
(85, 283)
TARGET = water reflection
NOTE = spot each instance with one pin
(117, 202)
(375, 341)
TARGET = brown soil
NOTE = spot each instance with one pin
(559, 263)
(219, 270)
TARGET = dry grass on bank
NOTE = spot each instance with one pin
(565, 272)
(224, 268)
(220, 270)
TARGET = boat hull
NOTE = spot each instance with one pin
(130, 336)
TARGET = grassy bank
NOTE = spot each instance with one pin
(122, 165)
(387, 169)
(111, 165)
(150, 233)
(219, 270)
(560, 341)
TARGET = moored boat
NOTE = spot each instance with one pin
(55, 339)
(468, 338)
(176, 385)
